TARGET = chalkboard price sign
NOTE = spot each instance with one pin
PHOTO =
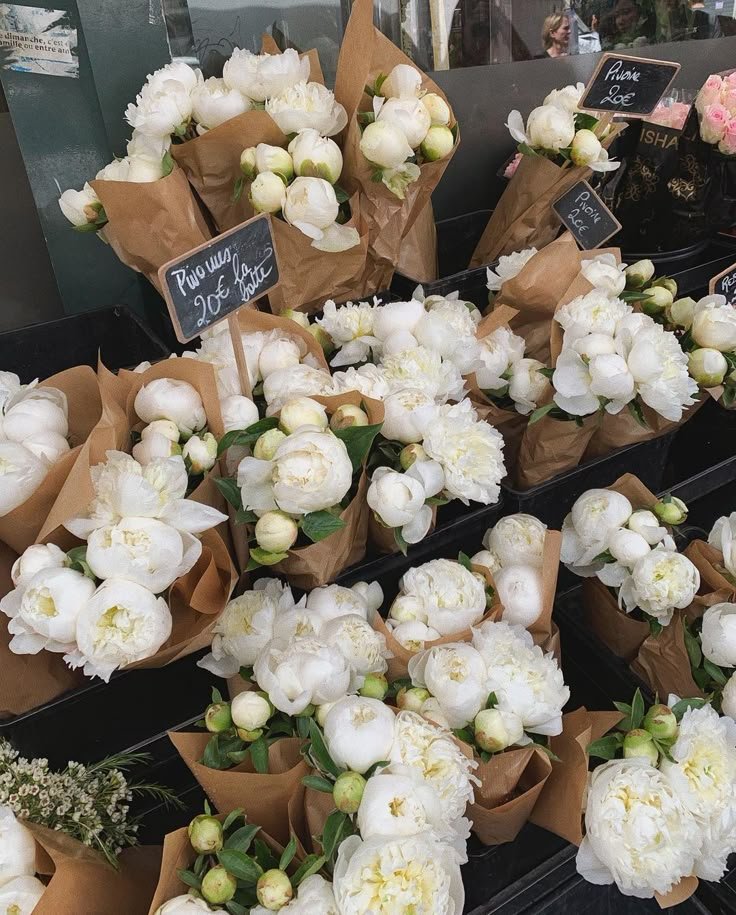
(587, 217)
(211, 282)
(725, 284)
(631, 86)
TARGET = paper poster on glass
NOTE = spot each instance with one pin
(35, 40)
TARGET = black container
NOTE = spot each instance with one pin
(552, 500)
(117, 334)
(703, 457)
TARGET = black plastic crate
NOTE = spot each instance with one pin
(117, 334)
(703, 457)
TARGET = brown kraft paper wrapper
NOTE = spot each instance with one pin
(365, 53)
(211, 162)
(26, 523)
(511, 783)
(83, 883)
(709, 562)
(383, 539)
(524, 217)
(550, 447)
(152, 223)
(560, 805)
(307, 276)
(178, 854)
(307, 811)
(265, 797)
(310, 566)
(27, 681)
(418, 253)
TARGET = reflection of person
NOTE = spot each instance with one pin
(705, 23)
(556, 35)
(626, 27)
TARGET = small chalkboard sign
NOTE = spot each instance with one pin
(211, 282)
(725, 284)
(586, 216)
(632, 86)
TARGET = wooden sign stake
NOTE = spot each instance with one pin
(237, 340)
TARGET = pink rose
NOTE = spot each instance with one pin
(713, 123)
(728, 144)
(512, 166)
(672, 115)
(728, 97)
(710, 94)
(730, 79)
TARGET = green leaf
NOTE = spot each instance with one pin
(310, 865)
(702, 678)
(242, 838)
(320, 752)
(239, 865)
(302, 727)
(239, 756)
(464, 734)
(246, 673)
(238, 189)
(189, 878)
(288, 854)
(263, 854)
(541, 745)
(336, 826)
(679, 708)
(436, 500)
(200, 865)
(245, 516)
(216, 695)
(358, 441)
(541, 412)
(235, 908)
(212, 758)
(260, 557)
(167, 164)
(637, 710)
(232, 817)
(246, 436)
(492, 700)
(464, 560)
(319, 525)
(585, 121)
(341, 194)
(606, 747)
(318, 783)
(729, 395)
(230, 490)
(547, 372)
(715, 672)
(692, 645)
(655, 627)
(636, 411)
(259, 755)
(381, 764)
(378, 84)
(400, 542)
(527, 150)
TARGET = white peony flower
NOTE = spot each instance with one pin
(250, 710)
(332, 601)
(412, 634)
(580, 382)
(487, 559)
(714, 324)
(144, 551)
(660, 582)
(497, 352)
(315, 897)
(456, 675)
(397, 317)
(274, 159)
(184, 905)
(596, 312)
(300, 412)
(517, 540)
(639, 834)
(167, 398)
(305, 105)
(363, 647)
(245, 627)
(527, 385)
(728, 698)
(121, 623)
(261, 76)
(17, 848)
(718, 635)
(368, 379)
(594, 517)
(399, 499)
(425, 370)
(178, 72)
(311, 206)
(162, 108)
(508, 266)
(359, 732)
(519, 589)
(470, 452)
(723, 538)
(408, 874)
(526, 681)
(44, 613)
(302, 672)
(35, 558)
(385, 145)
(407, 414)
(294, 381)
(238, 412)
(627, 547)
(403, 81)
(452, 598)
(566, 98)
(33, 416)
(315, 156)
(448, 327)
(439, 110)
(605, 273)
(394, 805)
(213, 103)
(702, 774)
(547, 127)
(80, 207)
(21, 895)
(647, 524)
(310, 471)
(409, 115)
(351, 328)
(267, 193)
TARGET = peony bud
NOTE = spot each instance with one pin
(302, 411)
(639, 743)
(298, 317)
(439, 110)
(385, 145)
(322, 337)
(276, 532)
(322, 711)
(639, 273)
(660, 722)
(728, 698)
(248, 163)
(657, 300)
(200, 453)
(490, 731)
(274, 159)
(627, 546)
(666, 282)
(164, 427)
(267, 445)
(348, 415)
(412, 699)
(410, 454)
(586, 148)
(315, 156)
(267, 193)
(205, 834)
(274, 889)
(671, 510)
(681, 312)
(218, 886)
(707, 366)
(348, 791)
(406, 608)
(437, 144)
(249, 736)
(217, 717)
(375, 686)
(250, 710)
